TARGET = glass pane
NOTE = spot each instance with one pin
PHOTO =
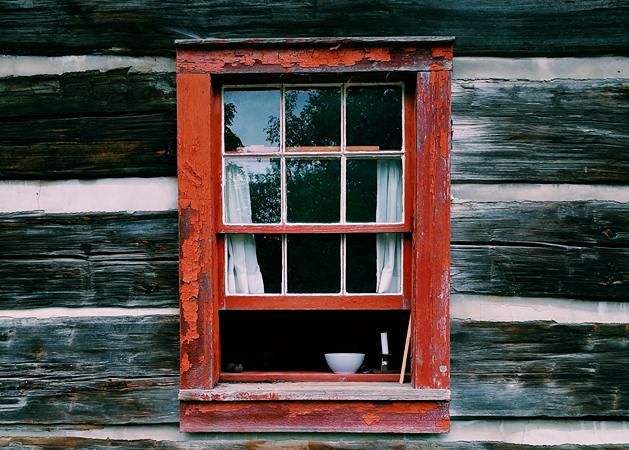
(252, 120)
(314, 263)
(313, 190)
(252, 190)
(313, 119)
(374, 263)
(254, 264)
(374, 190)
(374, 118)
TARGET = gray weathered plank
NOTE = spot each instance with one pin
(89, 146)
(88, 93)
(122, 123)
(557, 249)
(559, 131)
(283, 441)
(54, 27)
(554, 222)
(591, 273)
(113, 370)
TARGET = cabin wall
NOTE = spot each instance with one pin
(88, 225)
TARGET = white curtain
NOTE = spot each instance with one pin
(243, 271)
(388, 210)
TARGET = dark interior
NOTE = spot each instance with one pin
(280, 341)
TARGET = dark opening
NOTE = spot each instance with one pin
(280, 341)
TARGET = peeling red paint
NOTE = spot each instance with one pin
(185, 363)
(201, 290)
(442, 52)
(370, 419)
(349, 416)
(308, 60)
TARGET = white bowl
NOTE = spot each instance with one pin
(344, 362)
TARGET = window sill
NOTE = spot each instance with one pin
(314, 391)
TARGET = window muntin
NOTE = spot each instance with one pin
(315, 167)
(311, 264)
(316, 179)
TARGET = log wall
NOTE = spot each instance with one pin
(88, 286)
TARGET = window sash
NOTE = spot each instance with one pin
(343, 154)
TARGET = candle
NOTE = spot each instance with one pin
(384, 341)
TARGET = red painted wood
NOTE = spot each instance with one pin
(431, 239)
(426, 240)
(314, 302)
(306, 376)
(324, 228)
(196, 231)
(320, 59)
(308, 416)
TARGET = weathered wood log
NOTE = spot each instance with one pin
(502, 248)
(116, 280)
(89, 147)
(87, 93)
(54, 27)
(560, 131)
(122, 123)
(307, 442)
(113, 370)
(592, 273)
(570, 223)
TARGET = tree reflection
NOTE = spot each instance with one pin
(232, 142)
(313, 190)
(313, 118)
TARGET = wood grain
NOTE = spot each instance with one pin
(122, 123)
(557, 249)
(285, 442)
(590, 273)
(313, 391)
(430, 260)
(59, 370)
(198, 294)
(318, 416)
(55, 27)
(527, 131)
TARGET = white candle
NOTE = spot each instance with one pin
(384, 340)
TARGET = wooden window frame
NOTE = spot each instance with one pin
(211, 403)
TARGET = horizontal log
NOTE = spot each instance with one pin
(55, 27)
(593, 273)
(88, 147)
(503, 248)
(114, 370)
(556, 249)
(87, 93)
(554, 222)
(290, 443)
(122, 123)
(568, 131)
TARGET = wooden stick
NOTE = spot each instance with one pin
(406, 344)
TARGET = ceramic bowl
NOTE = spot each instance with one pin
(344, 362)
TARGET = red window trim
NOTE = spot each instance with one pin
(427, 105)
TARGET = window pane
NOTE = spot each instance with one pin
(251, 120)
(374, 263)
(313, 190)
(374, 118)
(313, 263)
(252, 190)
(254, 264)
(313, 119)
(374, 190)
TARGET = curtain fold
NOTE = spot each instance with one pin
(388, 210)
(243, 271)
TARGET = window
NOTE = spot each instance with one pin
(314, 212)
